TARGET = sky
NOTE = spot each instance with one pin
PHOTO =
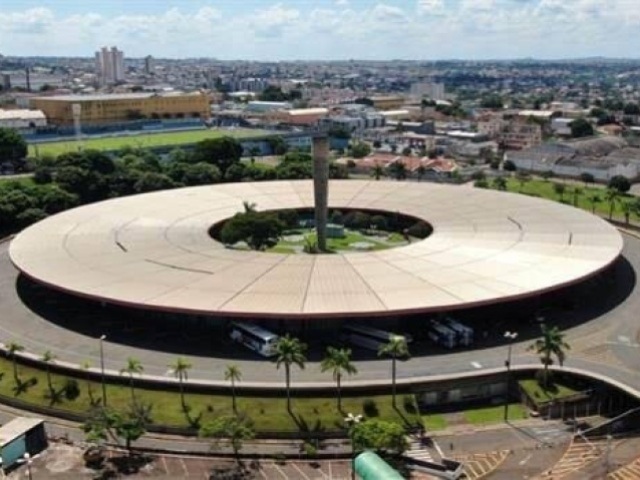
(323, 29)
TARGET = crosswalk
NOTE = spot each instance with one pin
(480, 465)
(630, 471)
(579, 455)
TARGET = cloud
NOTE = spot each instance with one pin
(421, 29)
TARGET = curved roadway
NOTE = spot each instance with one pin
(606, 345)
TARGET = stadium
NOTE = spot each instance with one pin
(150, 259)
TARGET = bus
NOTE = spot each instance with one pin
(465, 333)
(369, 338)
(256, 338)
(442, 335)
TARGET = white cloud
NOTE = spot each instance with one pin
(341, 29)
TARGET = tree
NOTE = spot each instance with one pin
(221, 152)
(360, 150)
(260, 230)
(152, 181)
(549, 345)
(12, 349)
(48, 358)
(395, 348)
(398, 170)
(612, 196)
(421, 171)
(200, 174)
(509, 166)
(132, 367)
(290, 351)
(587, 178)
(13, 147)
(523, 178)
(492, 101)
(559, 189)
(233, 429)
(619, 183)
(631, 109)
(627, 210)
(577, 191)
(581, 128)
(233, 374)
(338, 360)
(277, 145)
(500, 183)
(379, 435)
(180, 369)
(593, 200)
(377, 171)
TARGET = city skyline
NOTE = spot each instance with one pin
(324, 29)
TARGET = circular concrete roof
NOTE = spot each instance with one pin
(153, 251)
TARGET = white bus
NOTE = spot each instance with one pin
(254, 337)
(465, 334)
(369, 338)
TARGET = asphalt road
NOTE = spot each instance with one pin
(601, 324)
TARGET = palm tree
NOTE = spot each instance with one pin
(613, 197)
(395, 348)
(421, 171)
(290, 351)
(577, 191)
(132, 367)
(377, 171)
(559, 189)
(338, 360)
(551, 344)
(594, 199)
(12, 349)
(180, 370)
(627, 210)
(249, 206)
(48, 358)
(86, 366)
(233, 374)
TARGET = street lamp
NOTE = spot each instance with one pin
(511, 337)
(27, 460)
(104, 387)
(352, 420)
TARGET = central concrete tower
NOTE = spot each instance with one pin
(321, 188)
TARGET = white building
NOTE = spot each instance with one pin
(433, 90)
(110, 65)
(22, 118)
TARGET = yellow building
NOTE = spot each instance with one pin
(112, 108)
(391, 102)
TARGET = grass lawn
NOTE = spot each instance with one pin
(268, 414)
(434, 422)
(539, 395)
(336, 244)
(545, 189)
(140, 141)
(494, 414)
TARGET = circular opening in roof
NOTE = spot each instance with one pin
(293, 230)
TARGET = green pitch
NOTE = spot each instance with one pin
(140, 141)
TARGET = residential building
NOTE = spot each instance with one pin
(149, 64)
(111, 108)
(562, 126)
(389, 102)
(602, 157)
(433, 90)
(109, 65)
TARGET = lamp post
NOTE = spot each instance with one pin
(104, 386)
(510, 336)
(27, 460)
(352, 420)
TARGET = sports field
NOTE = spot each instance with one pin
(142, 140)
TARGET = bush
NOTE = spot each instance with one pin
(509, 166)
(370, 408)
(309, 449)
(482, 183)
(71, 389)
(619, 183)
